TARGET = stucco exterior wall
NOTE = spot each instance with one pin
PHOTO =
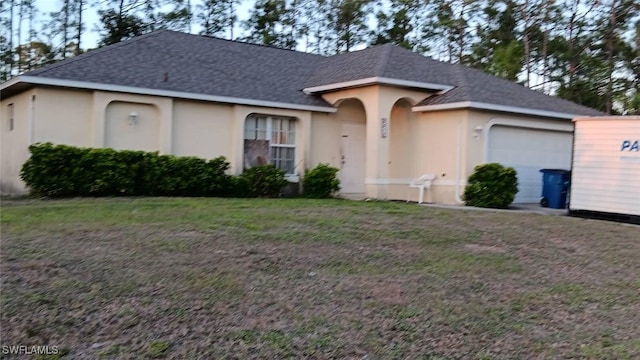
(14, 143)
(438, 147)
(123, 132)
(62, 116)
(448, 144)
(202, 129)
(399, 144)
(403, 144)
(170, 126)
(110, 120)
(403, 139)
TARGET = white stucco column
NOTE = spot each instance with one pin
(378, 111)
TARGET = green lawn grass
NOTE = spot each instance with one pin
(279, 278)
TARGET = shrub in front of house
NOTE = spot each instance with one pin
(262, 181)
(321, 182)
(491, 186)
(50, 169)
(188, 176)
(61, 170)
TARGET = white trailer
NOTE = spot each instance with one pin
(605, 177)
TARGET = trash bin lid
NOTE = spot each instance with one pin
(555, 171)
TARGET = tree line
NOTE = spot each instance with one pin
(587, 51)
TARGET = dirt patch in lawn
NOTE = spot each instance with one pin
(476, 248)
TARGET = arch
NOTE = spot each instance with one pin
(409, 100)
(351, 110)
(403, 158)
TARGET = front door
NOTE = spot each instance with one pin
(352, 169)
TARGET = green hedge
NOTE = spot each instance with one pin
(321, 182)
(61, 170)
(491, 186)
(262, 181)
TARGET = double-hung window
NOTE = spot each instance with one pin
(270, 139)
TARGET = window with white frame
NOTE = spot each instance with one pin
(270, 140)
(10, 116)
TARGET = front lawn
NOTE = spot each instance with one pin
(277, 278)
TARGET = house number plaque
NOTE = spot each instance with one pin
(384, 127)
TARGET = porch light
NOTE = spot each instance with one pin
(133, 118)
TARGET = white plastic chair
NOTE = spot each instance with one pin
(421, 183)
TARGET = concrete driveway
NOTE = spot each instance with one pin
(524, 208)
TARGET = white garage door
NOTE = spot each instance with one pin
(528, 151)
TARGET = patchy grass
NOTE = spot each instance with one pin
(254, 278)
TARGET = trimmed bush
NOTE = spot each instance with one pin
(239, 187)
(61, 170)
(321, 182)
(491, 186)
(263, 181)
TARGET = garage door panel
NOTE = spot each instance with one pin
(529, 184)
(528, 151)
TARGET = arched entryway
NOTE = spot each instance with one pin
(402, 138)
(353, 125)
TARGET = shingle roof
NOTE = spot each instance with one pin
(195, 64)
(387, 61)
(476, 86)
(174, 61)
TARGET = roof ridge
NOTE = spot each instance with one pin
(459, 75)
(384, 59)
(461, 85)
(236, 41)
(460, 79)
(95, 52)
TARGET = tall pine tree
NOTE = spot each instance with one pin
(396, 24)
(267, 25)
(498, 50)
(125, 19)
(449, 27)
(349, 19)
(217, 17)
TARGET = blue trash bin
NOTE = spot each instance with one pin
(555, 186)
